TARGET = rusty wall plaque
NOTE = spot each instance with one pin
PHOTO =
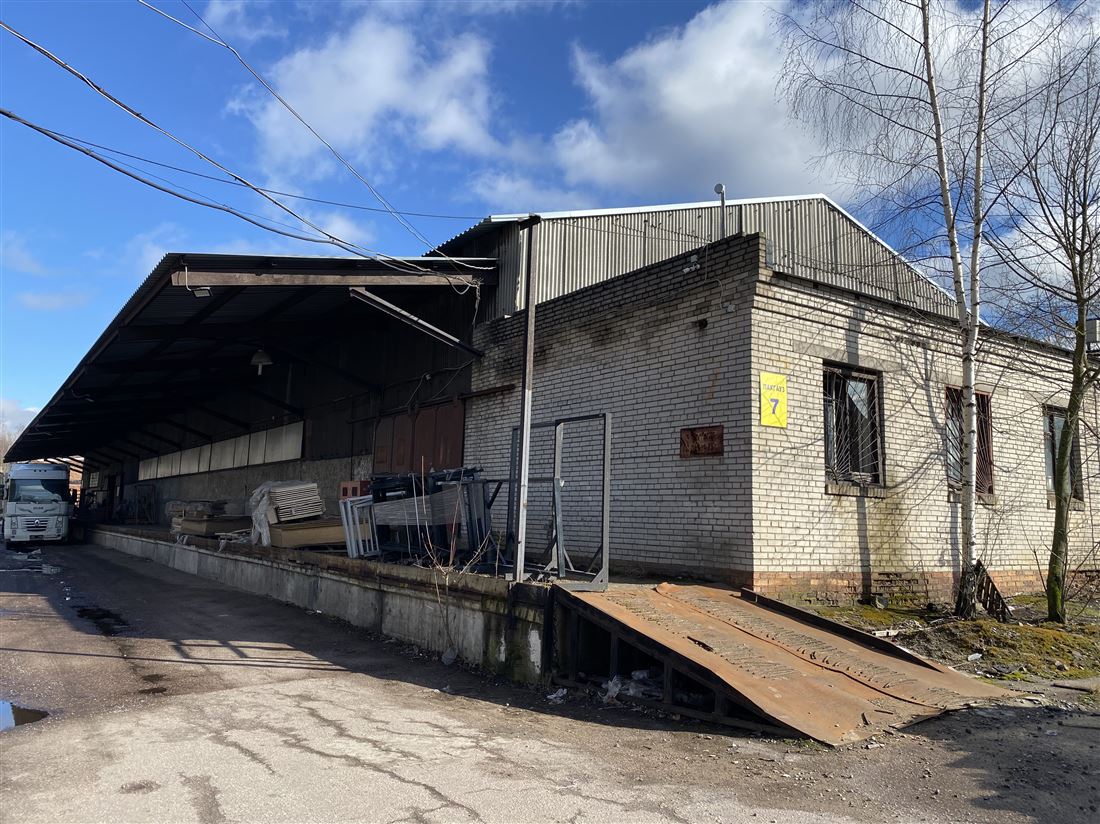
(701, 441)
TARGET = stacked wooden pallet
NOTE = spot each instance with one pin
(294, 502)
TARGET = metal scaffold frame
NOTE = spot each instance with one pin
(560, 563)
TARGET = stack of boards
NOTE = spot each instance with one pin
(204, 518)
(293, 502)
(291, 505)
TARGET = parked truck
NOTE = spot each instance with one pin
(36, 503)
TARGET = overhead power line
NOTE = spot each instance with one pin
(199, 200)
(387, 260)
(218, 40)
(229, 182)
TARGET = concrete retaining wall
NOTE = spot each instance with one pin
(487, 623)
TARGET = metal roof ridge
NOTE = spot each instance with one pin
(633, 210)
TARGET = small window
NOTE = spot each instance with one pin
(853, 428)
(984, 469)
(1055, 424)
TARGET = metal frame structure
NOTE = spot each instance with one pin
(560, 563)
(360, 533)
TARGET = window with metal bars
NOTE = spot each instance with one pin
(853, 427)
(984, 468)
(1055, 423)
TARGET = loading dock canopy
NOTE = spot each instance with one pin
(189, 334)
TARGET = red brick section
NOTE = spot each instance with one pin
(912, 586)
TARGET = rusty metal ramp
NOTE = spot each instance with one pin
(745, 660)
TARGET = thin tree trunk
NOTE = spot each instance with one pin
(967, 310)
(965, 604)
(1063, 475)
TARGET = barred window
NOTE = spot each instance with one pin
(853, 428)
(1055, 423)
(984, 468)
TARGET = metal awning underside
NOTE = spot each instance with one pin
(169, 348)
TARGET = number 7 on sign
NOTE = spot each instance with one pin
(773, 400)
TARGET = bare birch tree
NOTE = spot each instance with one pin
(906, 96)
(1047, 239)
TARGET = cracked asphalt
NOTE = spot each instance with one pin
(175, 699)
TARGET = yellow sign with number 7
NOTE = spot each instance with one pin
(773, 400)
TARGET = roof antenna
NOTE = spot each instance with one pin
(720, 190)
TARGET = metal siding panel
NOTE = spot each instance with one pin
(240, 451)
(221, 455)
(808, 238)
(450, 426)
(383, 445)
(401, 460)
(423, 441)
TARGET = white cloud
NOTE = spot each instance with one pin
(237, 20)
(55, 301)
(375, 82)
(142, 252)
(16, 256)
(513, 191)
(688, 108)
(14, 416)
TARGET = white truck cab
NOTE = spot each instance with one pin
(36, 503)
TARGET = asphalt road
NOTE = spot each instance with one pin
(175, 699)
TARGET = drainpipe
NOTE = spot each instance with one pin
(526, 392)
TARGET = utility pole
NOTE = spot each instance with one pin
(526, 392)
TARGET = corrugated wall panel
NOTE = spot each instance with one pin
(806, 237)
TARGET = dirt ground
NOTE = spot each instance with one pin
(1027, 649)
(176, 699)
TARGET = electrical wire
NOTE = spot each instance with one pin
(228, 182)
(199, 201)
(217, 39)
(387, 260)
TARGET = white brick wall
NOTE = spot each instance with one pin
(799, 527)
(634, 346)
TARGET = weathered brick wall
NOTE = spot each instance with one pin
(637, 346)
(660, 348)
(833, 546)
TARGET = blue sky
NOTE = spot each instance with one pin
(451, 108)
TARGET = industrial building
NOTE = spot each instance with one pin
(781, 388)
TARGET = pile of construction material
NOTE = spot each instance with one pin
(287, 514)
(294, 502)
(204, 518)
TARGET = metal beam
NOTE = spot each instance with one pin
(228, 332)
(174, 364)
(312, 360)
(120, 450)
(161, 438)
(271, 399)
(412, 320)
(129, 438)
(195, 279)
(188, 429)
(221, 416)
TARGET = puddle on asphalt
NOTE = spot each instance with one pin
(109, 623)
(12, 715)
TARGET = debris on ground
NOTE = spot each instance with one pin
(557, 696)
(612, 686)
